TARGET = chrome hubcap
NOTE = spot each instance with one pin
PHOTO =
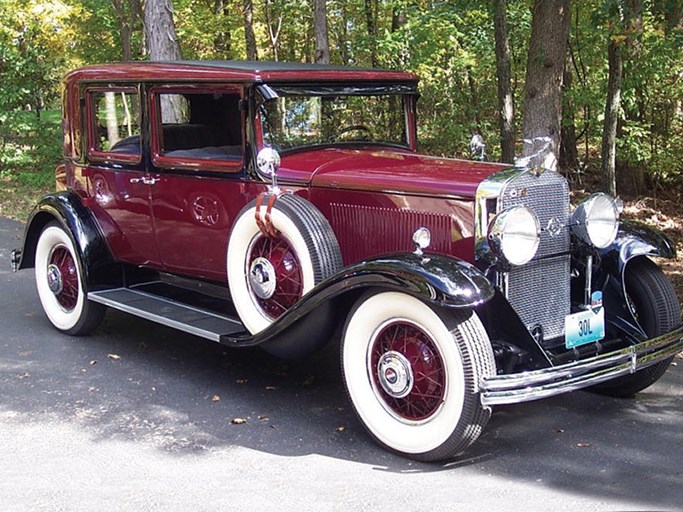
(395, 374)
(54, 279)
(262, 278)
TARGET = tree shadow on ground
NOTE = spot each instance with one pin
(138, 382)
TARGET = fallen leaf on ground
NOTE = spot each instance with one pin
(24, 376)
(263, 418)
(216, 398)
(93, 362)
(340, 429)
(238, 421)
(115, 357)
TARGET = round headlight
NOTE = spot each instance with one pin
(596, 220)
(514, 235)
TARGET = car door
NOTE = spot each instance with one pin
(119, 186)
(197, 154)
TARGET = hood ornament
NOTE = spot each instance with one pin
(539, 149)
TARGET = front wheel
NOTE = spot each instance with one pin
(413, 374)
(59, 280)
(653, 301)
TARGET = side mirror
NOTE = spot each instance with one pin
(267, 164)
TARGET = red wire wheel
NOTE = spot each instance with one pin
(62, 289)
(408, 371)
(64, 275)
(275, 275)
(412, 372)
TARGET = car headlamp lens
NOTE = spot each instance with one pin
(514, 235)
(596, 220)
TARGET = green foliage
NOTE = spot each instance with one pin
(33, 150)
(449, 44)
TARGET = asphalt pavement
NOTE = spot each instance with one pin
(141, 417)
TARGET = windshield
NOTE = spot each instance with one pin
(293, 118)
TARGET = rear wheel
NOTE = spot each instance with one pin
(59, 280)
(652, 298)
(413, 374)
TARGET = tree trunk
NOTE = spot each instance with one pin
(249, 36)
(398, 19)
(569, 155)
(545, 67)
(631, 25)
(125, 29)
(506, 107)
(322, 45)
(162, 41)
(372, 30)
(274, 28)
(222, 39)
(609, 130)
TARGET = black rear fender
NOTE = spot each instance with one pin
(78, 221)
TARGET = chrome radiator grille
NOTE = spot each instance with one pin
(539, 291)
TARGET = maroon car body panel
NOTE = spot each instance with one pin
(175, 214)
(386, 170)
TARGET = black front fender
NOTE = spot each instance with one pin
(435, 279)
(636, 239)
(78, 221)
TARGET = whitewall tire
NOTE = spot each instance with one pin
(267, 275)
(59, 280)
(413, 373)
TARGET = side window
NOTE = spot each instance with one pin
(198, 129)
(115, 124)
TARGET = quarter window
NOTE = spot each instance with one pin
(115, 129)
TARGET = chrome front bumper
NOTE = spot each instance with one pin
(536, 384)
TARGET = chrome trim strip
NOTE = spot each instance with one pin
(533, 385)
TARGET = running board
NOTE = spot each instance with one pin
(177, 315)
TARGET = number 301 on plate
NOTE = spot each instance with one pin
(584, 327)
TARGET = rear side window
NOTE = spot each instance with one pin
(197, 129)
(114, 124)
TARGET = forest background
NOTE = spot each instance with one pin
(603, 78)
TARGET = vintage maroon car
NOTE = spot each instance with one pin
(284, 205)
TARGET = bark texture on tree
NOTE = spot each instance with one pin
(162, 44)
(322, 45)
(249, 36)
(162, 40)
(545, 67)
(506, 109)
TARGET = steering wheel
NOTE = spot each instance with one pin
(355, 127)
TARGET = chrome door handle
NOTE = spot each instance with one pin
(145, 179)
